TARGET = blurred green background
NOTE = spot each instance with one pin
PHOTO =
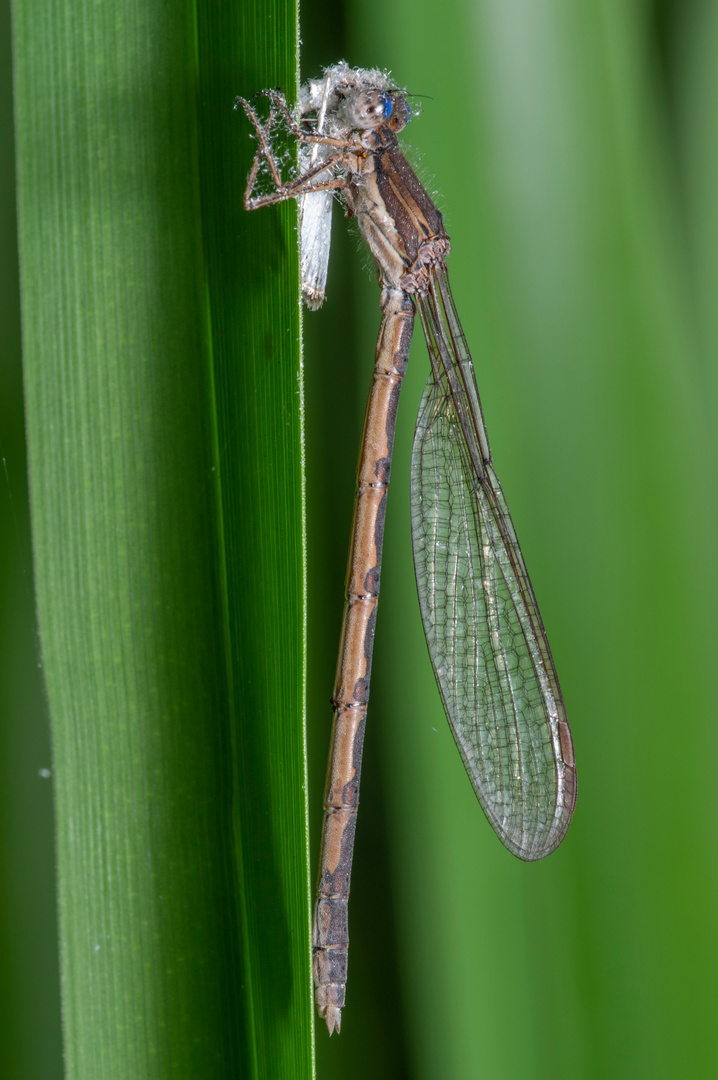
(573, 148)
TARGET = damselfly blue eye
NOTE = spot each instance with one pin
(387, 104)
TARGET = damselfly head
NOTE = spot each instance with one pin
(371, 109)
(400, 114)
(374, 108)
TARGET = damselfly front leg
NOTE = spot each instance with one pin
(300, 185)
(279, 103)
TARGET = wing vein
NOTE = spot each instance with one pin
(485, 635)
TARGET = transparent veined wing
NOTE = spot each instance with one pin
(486, 639)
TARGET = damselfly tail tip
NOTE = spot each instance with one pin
(333, 1017)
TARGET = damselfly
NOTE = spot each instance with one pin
(486, 639)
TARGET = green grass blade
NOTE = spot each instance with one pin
(255, 331)
(30, 1037)
(163, 450)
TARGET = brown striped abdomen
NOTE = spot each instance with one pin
(351, 688)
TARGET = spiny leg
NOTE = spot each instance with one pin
(301, 185)
(264, 150)
(278, 100)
